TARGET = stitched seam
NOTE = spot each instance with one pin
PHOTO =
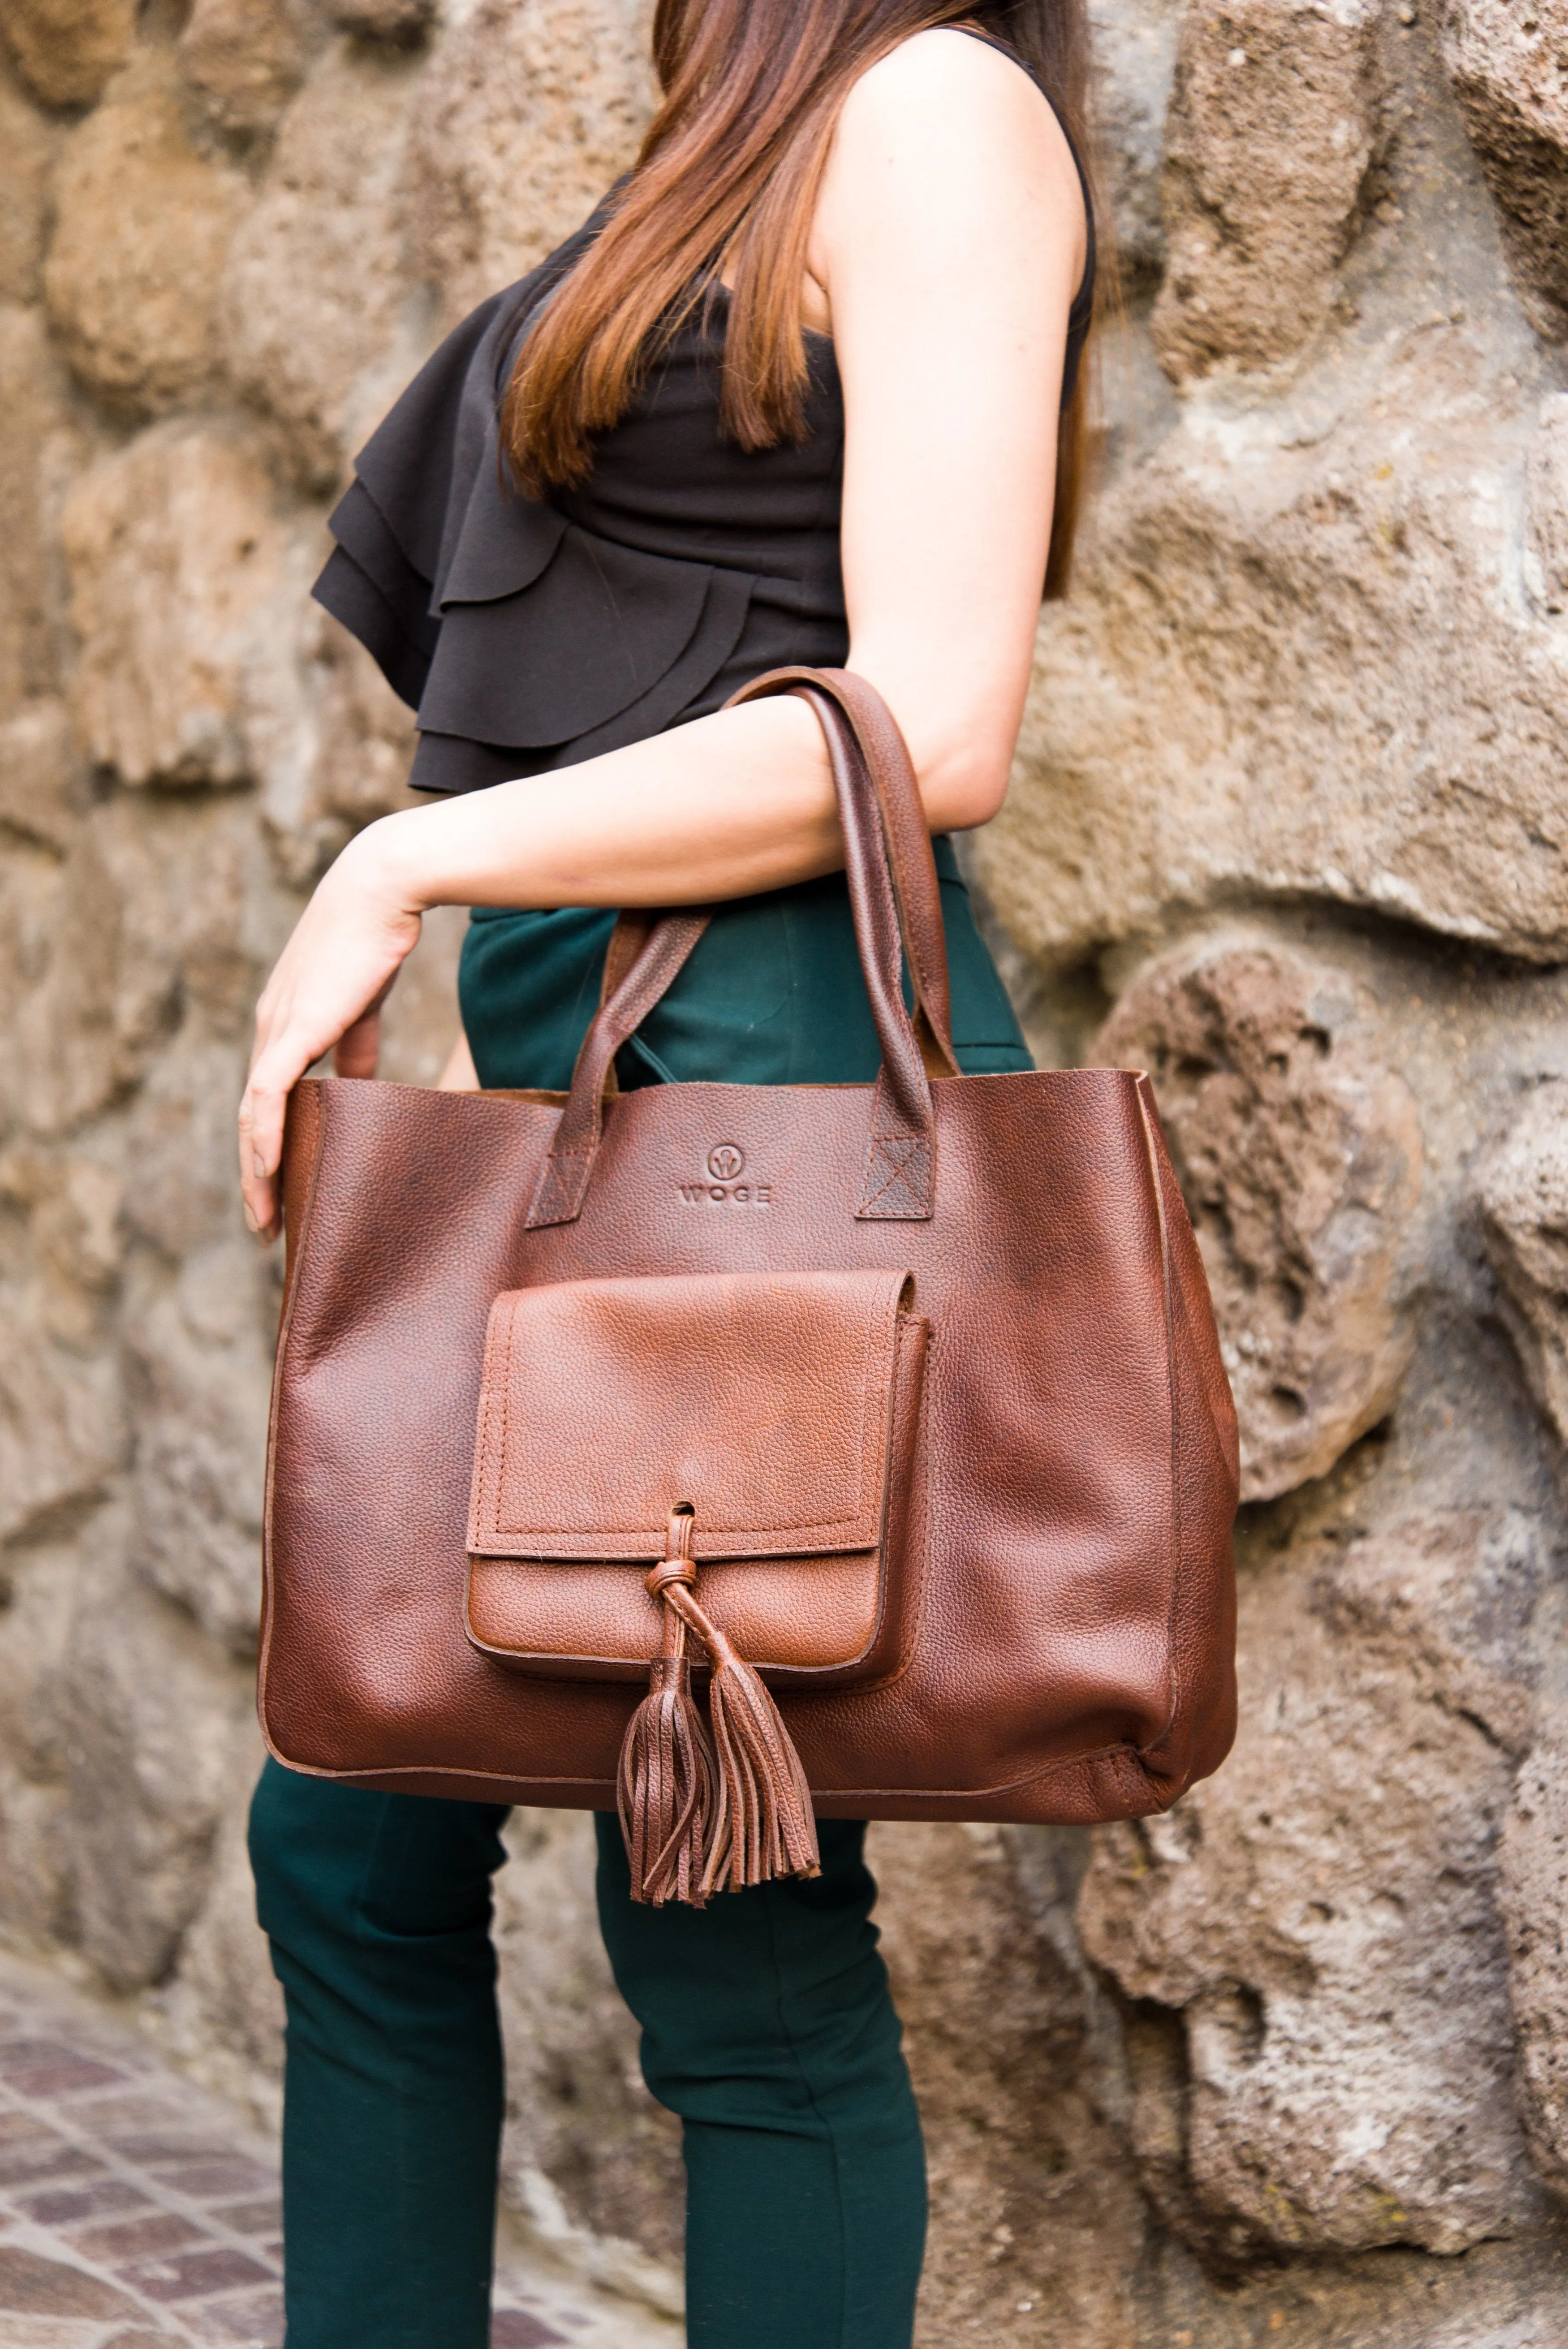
(884, 1556)
(872, 1476)
(919, 1527)
(1119, 1751)
(285, 1332)
(481, 1507)
(897, 1170)
(1152, 1168)
(856, 1517)
(505, 1410)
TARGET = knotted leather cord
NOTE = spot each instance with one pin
(746, 1815)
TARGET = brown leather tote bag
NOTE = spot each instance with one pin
(736, 1451)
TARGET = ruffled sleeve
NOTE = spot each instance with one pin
(389, 525)
(520, 639)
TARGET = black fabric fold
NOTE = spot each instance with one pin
(367, 549)
(609, 621)
(402, 655)
(454, 762)
(522, 636)
(528, 634)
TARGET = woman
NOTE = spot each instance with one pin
(792, 394)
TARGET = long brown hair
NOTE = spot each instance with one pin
(727, 177)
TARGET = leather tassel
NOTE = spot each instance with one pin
(763, 1825)
(754, 1811)
(666, 1782)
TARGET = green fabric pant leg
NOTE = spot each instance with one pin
(768, 2026)
(378, 1909)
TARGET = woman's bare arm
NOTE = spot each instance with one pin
(949, 239)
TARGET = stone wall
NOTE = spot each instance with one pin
(1290, 827)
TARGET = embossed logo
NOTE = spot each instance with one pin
(725, 1164)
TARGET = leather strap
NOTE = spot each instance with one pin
(895, 899)
(634, 928)
(887, 766)
(901, 1156)
(631, 934)
(563, 1182)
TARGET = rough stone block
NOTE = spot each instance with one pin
(1273, 126)
(97, 988)
(1546, 507)
(63, 1432)
(529, 111)
(1319, 1923)
(247, 58)
(319, 281)
(1135, 43)
(1299, 1153)
(1509, 65)
(39, 1589)
(199, 1378)
(179, 1139)
(75, 1204)
(1521, 1191)
(27, 143)
(42, 793)
(1297, 665)
(173, 548)
(420, 1024)
(68, 49)
(37, 438)
(222, 2015)
(156, 915)
(154, 1717)
(1535, 1907)
(605, 2195)
(402, 21)
(143, 226)
(333, 748)
(1034, 2234)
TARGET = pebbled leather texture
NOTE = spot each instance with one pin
(776, 1405)
(1056, 1630)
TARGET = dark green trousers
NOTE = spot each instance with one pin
(767, 2025)
(765, 2019)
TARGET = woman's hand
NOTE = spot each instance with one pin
(325, 994)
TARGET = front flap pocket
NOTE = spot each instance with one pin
(775, 1410)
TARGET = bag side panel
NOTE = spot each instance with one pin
(1204, 1613)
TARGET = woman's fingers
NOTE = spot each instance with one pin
(262, 1109)
(324, 995)
(260, 1148)
(281, 1059)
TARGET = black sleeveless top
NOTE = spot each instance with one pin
(532, 633)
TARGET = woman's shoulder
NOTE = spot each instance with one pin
(948, 116)
(952, 136)
(952, 81)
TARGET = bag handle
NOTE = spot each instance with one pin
(883, 758)
(891, 873)
(886, 759)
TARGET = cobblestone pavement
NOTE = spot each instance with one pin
(137, 2213)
